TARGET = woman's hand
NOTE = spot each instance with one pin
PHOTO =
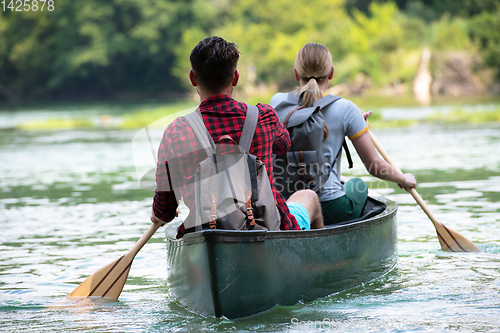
(366, 114)
(408, 182)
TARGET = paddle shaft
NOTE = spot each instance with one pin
(412, 191)
(450, 240)
(145, 238)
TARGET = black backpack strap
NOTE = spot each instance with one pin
(195, 120)
(248, 131)
(347, 153)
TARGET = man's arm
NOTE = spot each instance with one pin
(164, 207)
(164, 202)
(282, 141)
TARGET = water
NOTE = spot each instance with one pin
(70, 203)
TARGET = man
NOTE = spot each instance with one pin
(214, 74)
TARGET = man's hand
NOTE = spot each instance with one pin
(155, 219)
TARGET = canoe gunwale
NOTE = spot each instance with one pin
(251, 236)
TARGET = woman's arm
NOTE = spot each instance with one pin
(377, 166)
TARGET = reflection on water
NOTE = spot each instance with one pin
(70, 203)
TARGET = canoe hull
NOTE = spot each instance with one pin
(237, 274)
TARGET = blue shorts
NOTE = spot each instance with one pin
(300, 212)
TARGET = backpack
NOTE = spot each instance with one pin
(304, 166)
(232, 191)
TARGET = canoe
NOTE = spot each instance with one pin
(241, 273)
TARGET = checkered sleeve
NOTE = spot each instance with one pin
(281, 142)
(164, 202)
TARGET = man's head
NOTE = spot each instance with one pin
(213, 64)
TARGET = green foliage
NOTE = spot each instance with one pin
(485, 29)
(56, 123)
(182, 51)
(89, 46)
(455, 117)
(140, 48)
(431, 10)
(450, 34)
(270, 32)
(415, 33)
(460, 116)
(159, 117)
(380, 32)
(377, 41)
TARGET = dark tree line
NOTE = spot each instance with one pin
(106, 49)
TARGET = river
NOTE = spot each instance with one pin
(70, 203)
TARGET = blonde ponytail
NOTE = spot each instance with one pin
(313, 64)
(309, 98)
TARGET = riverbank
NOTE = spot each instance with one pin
(382, 117)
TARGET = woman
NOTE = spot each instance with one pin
(313, 70)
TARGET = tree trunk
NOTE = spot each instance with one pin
(423, 80)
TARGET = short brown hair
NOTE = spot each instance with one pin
(214, 62)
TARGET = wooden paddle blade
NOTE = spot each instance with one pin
(452, 241)
(108, 281)
(83, 303)
(449, 239)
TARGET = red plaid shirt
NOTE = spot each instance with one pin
(222, 115)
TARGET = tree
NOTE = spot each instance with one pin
(485, 29)
(269, 34)
(92, 47)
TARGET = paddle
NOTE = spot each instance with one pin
(109, 281)
(450, 240)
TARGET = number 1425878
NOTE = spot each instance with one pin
(27, 5)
